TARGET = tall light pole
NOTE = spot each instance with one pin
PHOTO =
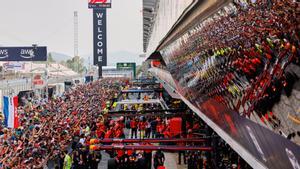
(76, 41)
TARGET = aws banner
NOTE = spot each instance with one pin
(23, 54)
(100, 37)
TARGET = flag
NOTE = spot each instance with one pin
(10, 110)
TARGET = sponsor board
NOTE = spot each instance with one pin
(16, 66)
(23, 54)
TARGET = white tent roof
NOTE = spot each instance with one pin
(54, 69)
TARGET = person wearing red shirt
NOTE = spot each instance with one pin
(190, 133)
(142, 128)
(119, 133)
(167, 134)
(196, 126)
(100, 132)
(160, 130)
(121, 158)
(120, 153)
(77, 131)
(133, 126)
(109, 133)
(130, 152)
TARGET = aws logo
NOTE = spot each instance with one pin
(27, 53)
(3, 53)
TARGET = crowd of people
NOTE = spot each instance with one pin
(57, 133)
(48, 128)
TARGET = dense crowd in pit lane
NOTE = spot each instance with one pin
(47, 129)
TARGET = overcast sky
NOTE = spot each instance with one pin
(50, 23)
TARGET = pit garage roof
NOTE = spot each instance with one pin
(149, 12)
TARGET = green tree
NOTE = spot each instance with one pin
(76, 64)
(50, 58)
(139, 69)
(63, 63)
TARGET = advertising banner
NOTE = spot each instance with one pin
(100, 37)
(14, 66)
(96, 4)
(38, 81)
(23, 54)
(131, 66)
